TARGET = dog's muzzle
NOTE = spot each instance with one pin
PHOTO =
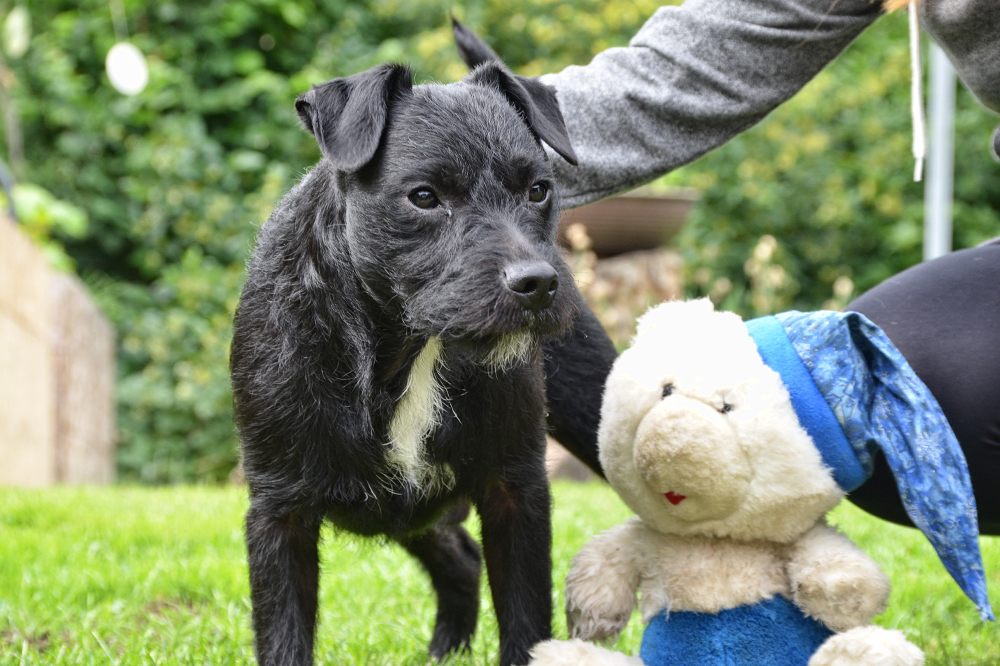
(533, 284)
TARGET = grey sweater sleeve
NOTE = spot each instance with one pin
(691, 79)
(968, 31)
(697, 75)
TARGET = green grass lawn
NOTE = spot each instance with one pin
(127, 575)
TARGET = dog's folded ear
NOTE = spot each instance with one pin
(533, 100)
(347, 116)
(471, 48)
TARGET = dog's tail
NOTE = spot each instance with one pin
(471, 48)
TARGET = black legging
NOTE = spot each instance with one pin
(944, 316)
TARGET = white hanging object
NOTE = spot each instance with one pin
(16, 32)
(126, 67)
(917, 95)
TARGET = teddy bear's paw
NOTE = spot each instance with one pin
(591, 626)
(843, 593)
(578, 653)
(868, 646)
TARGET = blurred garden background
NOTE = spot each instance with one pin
(154, 199)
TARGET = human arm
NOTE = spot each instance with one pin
(969, 33)
(692, 78)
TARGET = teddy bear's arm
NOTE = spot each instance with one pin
(601, 583)
(833, 581)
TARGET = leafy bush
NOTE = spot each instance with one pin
(176, 179)
(45, 219)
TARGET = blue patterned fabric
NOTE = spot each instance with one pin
(810, 406)
(880, 403)
(773, 632)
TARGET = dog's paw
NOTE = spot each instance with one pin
(578, 653)
(843, 592)
(868, 646)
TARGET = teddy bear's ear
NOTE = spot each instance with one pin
(702, 305)
(669, 313)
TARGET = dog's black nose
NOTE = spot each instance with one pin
(533, 283)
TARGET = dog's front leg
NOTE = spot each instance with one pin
(517, 543)
(283, 555)
(452, 559)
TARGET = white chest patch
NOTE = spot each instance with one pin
(416, 416)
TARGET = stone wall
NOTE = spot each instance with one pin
(56, 373)
(83, 352)
(27, 394)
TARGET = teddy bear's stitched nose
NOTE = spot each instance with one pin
(685, 447)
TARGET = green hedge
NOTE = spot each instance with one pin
(176, 180)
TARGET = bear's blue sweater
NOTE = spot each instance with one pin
(774, 632)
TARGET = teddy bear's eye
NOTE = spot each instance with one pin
(667, 390)
(726, 408)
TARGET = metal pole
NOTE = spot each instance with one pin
(939, 186)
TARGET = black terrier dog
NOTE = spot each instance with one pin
(387, 360)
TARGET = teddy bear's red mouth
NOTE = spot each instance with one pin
(674, 498)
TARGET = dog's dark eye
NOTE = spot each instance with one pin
(538, 193)
(667, 390)
(726, 408)
(424, 198)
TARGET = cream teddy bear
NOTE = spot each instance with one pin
(730, 553)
